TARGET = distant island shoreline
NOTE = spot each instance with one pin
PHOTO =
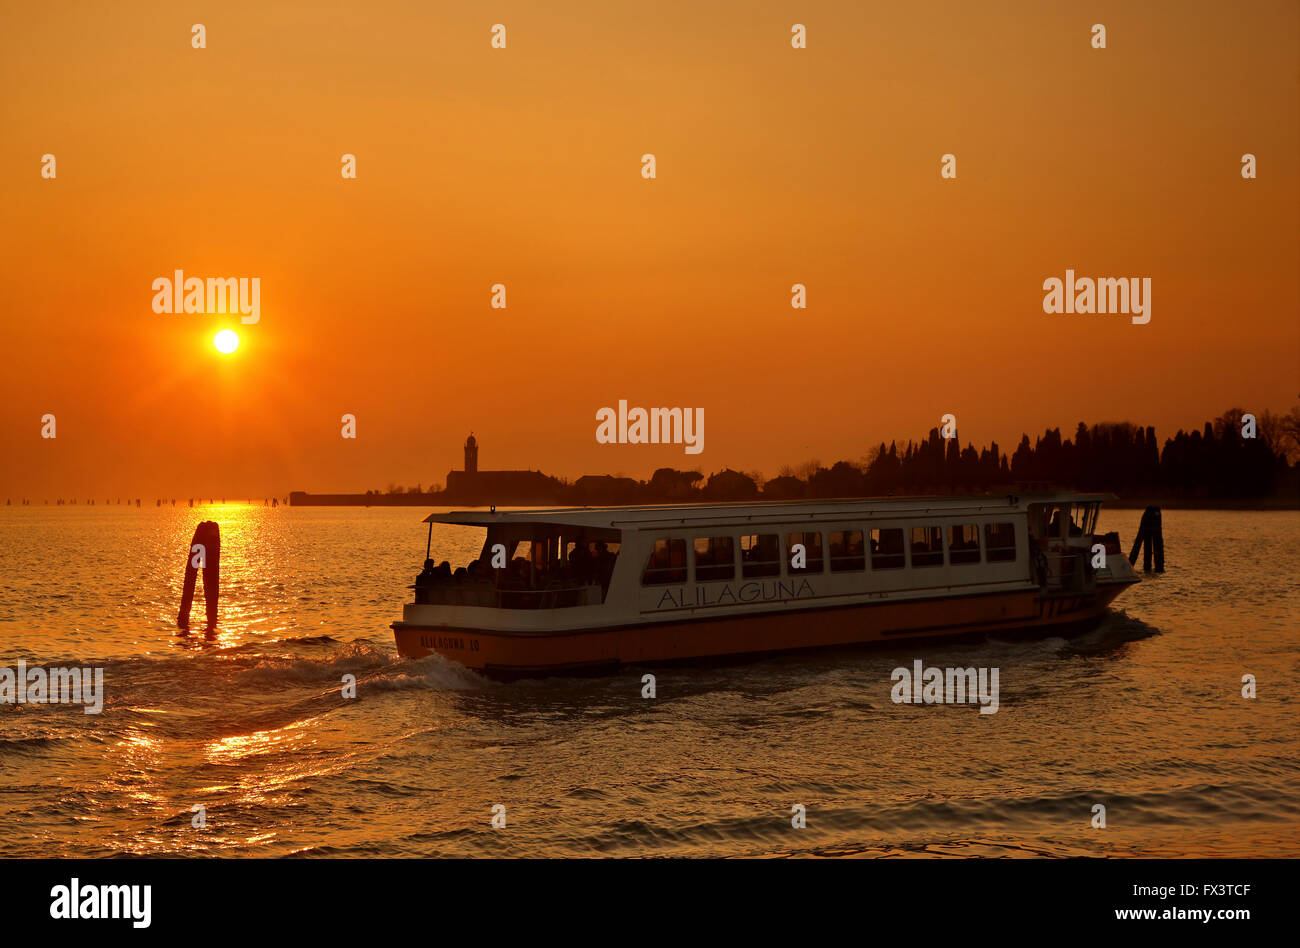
(305, 499)
(1236, 462)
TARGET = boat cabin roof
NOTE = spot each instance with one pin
(677, 515)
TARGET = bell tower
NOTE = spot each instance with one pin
(471, 455)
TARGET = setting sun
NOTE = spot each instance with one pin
(226, 341)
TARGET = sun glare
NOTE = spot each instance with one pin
(226, 341)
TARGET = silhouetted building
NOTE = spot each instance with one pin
(471, 455)
(476, 488)
(730, 485)
(596, 490)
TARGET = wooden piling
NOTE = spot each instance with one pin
(1151, 540)
(207, 535)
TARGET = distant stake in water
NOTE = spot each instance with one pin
(1150, 537)
(207, 537)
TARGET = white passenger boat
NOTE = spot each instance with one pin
(588, 588)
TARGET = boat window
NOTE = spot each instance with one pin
(588, 560)
(1000, 542)
(526, 565)
(963, 543)
(715, 559)
(887, 548)
(1058, 524)
(812, 543)
(667, 563)
(760, 555)
(1083, 519)
(847, 554)
(927, 546)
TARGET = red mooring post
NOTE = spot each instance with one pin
(205, 552)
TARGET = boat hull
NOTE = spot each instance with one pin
(524, 654)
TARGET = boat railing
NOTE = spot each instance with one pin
(1066, 571)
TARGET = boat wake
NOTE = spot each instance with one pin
(1115, 631)
(243, 689)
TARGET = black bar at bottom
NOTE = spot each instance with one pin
(663, 899)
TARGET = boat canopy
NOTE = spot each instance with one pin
(767, 511)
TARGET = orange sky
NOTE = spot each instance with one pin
(522, 166)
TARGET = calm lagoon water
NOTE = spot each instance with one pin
(1144, 714)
